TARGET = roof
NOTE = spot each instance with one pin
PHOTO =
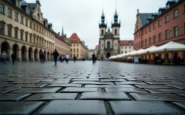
(126, 42)
(144, 17)
(74, 38)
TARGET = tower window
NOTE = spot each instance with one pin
(108, 44)
(102, 32)
(116, 31)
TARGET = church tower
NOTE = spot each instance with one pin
(116, 33)
(116, 26)
(102, 26)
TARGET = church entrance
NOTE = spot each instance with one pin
(108, 55)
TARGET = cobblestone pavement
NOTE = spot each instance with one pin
(83, 88)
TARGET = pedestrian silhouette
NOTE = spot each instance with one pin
(55, 55)
(13, 56)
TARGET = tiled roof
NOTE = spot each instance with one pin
(144, 17)
(126, 42)
(74, 38)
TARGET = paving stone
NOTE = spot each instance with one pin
(52, 96)
(78, 90)
(30, 85)
(95, 83)
(74, 107)
(177, 86)
(64, 85)
(18, 108)
(36, 90)
(159, 83)
(84, 80)
(180, 104)
(26, 81)
(130, 83)
(6, 90)
(178, 91)
(104, 96)
(113, 80)
(144, 108)
(126, 90)
(4, 85)
(12, 97)
(157, 97)
(104, 86)
(154, 86)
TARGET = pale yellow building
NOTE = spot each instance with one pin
(23, 30)
(78, 48)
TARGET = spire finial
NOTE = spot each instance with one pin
(62, 31)
(137, 11)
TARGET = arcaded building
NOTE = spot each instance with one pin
(24, 30)
(168, 24)
(109, 41)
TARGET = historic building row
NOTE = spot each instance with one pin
(24, 31)
(168, 24)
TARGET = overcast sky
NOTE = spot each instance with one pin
(83, 16)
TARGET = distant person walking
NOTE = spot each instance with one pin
(55, 55)
(74, 58)
(13, 56)
(4, 57)
(93, 58)
(67, 58)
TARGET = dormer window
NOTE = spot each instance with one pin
(168, 5)
(17, 3)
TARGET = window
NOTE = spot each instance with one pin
(30, 24)
(184, 8)
(145, 42)
(167, 34)
(1, 8)
(154, 26)
(16, 16)
(102, 32)
(175, 14)
(1, 29)
(16, 33)
(26, 22)
(159, 37)
(17, 3)
(149, 29)
(175, 31)
(22, 35)
(30, 38)
(26, 36)
(154, 39)
(22, 22)
(115, 31)
(9, 13)
(108, 44)
(159, 23)
(149, 40)
(125, 47)
(9, 31)
(167, 18)
(184, 28)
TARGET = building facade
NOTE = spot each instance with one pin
(126, 46)
(23, 30)
(78, 49)
(109, 41)
(159, 28)
(61, 45)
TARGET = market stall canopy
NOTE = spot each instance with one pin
(147, 50)
(170, 46)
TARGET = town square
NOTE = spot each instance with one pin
(96, 57)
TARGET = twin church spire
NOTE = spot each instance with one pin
(114, 24)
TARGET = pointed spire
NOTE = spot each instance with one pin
(62, 31)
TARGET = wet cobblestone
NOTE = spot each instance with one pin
(78, 88)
